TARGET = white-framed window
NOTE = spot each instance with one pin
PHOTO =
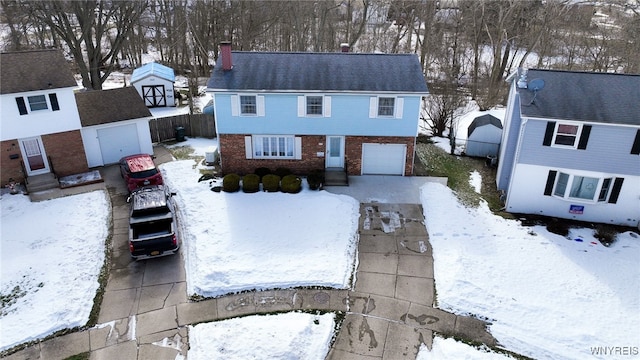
(578, 187)
(314, 106)
(566, 135)
(273, 147)
(583, 187)
(37, 102)
(386, 107)
(605, 189)
(247, 105)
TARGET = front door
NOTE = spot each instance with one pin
(335, 152)
(35, 159)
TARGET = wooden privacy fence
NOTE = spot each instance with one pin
(196, 125)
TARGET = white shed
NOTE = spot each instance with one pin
(154, 83)
(483, 136)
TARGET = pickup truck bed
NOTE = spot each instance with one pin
(152, 224)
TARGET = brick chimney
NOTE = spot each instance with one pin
(225, 54)
(344, 47)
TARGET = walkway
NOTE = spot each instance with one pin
(145, 310)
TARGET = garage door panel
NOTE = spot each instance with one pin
(118, 141)
(383, 159)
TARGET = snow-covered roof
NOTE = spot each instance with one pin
(155, 69)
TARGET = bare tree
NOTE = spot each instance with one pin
(93, 31)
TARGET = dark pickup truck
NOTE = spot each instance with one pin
(152, 223)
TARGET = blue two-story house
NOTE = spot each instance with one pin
(307, 111)
(571, 146)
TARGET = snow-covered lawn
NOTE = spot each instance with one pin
(283, 336)
(236, 241)
(547, 296)
(52, 253)
(449, 349)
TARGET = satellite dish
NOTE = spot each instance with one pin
(535, 85)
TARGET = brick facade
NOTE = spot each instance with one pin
(10, 162)
(233, 156)
(65, 149)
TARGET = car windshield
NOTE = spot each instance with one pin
(144, 174)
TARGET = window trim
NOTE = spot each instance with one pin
(303, 106)
(374, 107)
(581, 137)
(236, 107)
(392, 107)
(257, 143)
(554, 138)
(557, 187)
(25, 106)
(241, 106)
(309, 106)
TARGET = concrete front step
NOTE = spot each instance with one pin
(42, 182)
(336, 177)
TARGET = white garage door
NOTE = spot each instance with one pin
(118, 141)
(383, 159)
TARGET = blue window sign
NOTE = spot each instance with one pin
(576, 209)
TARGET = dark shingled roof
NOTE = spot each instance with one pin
(34, 70)
(105, 106)
(483, 120)
(295, 71)
(583, 96)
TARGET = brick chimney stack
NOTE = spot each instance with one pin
(344, 47)
(225, 54)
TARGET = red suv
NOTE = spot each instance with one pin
(139, 170)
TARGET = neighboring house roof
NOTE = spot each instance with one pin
(154, 69)
(339, 71)
(105, 106)
(34, 70)
(483, 120)
(582, 96)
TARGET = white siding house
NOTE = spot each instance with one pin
(571, 146)
(40, 125)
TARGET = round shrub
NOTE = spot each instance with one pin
(291, 184)
(231, 183)
(262, 171)
(315, 179)
(282, 172)
(271, 182)
(251, 183)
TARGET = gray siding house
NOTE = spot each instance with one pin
(571, 146)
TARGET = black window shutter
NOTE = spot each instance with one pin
(635, 148)
(551, 179)
(584, 137)
(22, 107)
(54, 102)
(615, 191)
(548, 134)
